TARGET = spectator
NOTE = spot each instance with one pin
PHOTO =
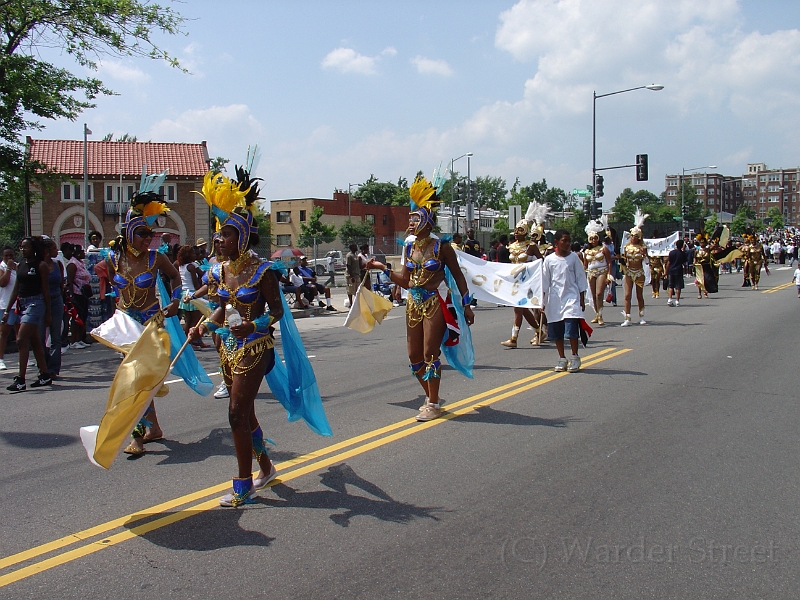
(502, 250)
(352, 273)
(676, 262)
(310, 281)
(95, 241)
(56, 278)
(31, 291)
(8, 275)
(492, 254)
(471, 246)
(79, 290)
(191, 282)
(564, 288)
(458, 242)
(330, 265)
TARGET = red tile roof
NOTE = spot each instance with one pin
(111, 158)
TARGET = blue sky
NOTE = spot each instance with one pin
(336, 91)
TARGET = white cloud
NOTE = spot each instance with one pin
(429, 66)
(389, 51)
(348, 60)
(123, 72)
(227, 129)
(191, 59)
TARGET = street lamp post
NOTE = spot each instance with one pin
(684, 220)
(453, 190)
(653, 86)
(86, 133)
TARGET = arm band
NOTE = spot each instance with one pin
(211, 326)
(262, 323)
(177, 293)
(466, 300)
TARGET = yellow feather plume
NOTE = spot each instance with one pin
(154, 208)
(221, 192)
(421, 192)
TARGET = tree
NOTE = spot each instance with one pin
(31, 89)
(744, 216)
(217, 165)
(688, 194)
(775, 217)
(711, 225)
(359, 233)
(314, 231)
(491, 192)
(623, 207)
(576, 225)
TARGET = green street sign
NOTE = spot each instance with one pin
(581, 193)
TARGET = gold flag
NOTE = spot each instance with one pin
(367, 309)
(202, 306)
(138, 379)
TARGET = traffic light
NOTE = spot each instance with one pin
(462, 190)
(685, 211)
(587, 203)
(598, 208)
(598, 186)
(641, 167)
(473, 193)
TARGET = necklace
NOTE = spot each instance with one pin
(237, 264)
(133, 251)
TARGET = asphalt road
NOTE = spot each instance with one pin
(667, 468)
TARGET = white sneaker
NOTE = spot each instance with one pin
(561, 365)
(3, 366)
(626, 323)
(642, 322)
(574, 364)
(222, 391)
(78, 345)
(677, 302)
(669, 302)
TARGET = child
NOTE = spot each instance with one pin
(564, 288)
(796, 279)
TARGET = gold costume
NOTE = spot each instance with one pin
(635, 253)
(595, 256)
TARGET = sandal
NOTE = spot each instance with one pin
(133, 450)
(149, 437)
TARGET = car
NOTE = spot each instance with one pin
(320, 265)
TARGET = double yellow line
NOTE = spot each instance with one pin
(290, 469)
(777, 288)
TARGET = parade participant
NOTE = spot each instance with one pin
(634, 254)
(756, 258)
(564, 296)
(744, 248)
(428, 317)
(597, 262)
(674, 268)
(134, 269)
(522, 250)
(704, 278)
(250, 303)
(31, 292)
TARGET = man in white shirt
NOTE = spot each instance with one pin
(564, 288)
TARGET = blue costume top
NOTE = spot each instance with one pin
(137, 288)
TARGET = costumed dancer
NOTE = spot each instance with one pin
(634, 254)
(135, 270)
(430, 322)
(597, 262)
(250, 302)
(704, 277)
(520, 251)
(756, 258)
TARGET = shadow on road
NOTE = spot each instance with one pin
(487, 414)
(23, 439)
(217, 443)
(346, 506)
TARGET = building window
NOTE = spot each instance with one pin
(168, 192)
(385, 219)
(762, 177)
(113, 193)
(369, 219)
(283, 239)
(302, 216)
(284, 216)
(71, 192)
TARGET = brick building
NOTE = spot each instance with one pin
(286, 216)
(115, 169)
(761, 188)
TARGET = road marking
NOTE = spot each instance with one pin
(777, 288)
(463, 407)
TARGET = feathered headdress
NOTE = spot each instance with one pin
(146, 205)
(423, 199)
(594, 229)
(638, 220)
(230, 200)
(535, 217)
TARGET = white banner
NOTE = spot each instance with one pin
(503, 283)
(655, 246)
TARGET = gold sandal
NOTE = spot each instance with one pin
(133, 450)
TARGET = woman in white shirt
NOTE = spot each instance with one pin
(8, 275)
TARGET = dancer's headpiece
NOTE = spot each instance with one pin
(638, 220)
(424, 196)
(146, 205)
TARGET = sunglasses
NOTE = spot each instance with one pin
(144, 234)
